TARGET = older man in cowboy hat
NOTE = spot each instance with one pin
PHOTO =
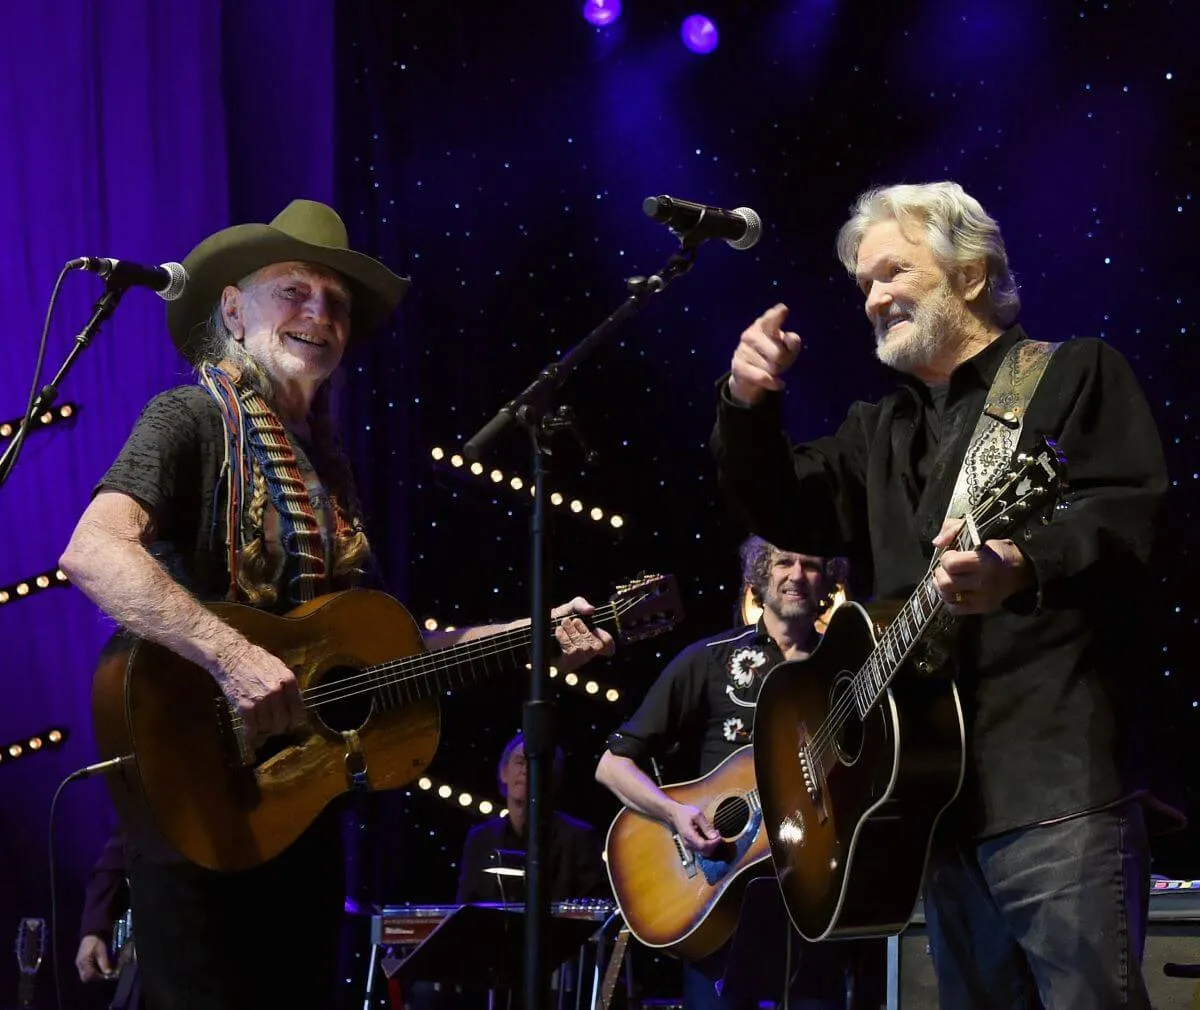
(236, 488)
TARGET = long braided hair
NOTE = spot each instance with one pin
(258, 575)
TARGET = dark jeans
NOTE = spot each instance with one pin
(836, 975)
(1050, 916)
(264, 938)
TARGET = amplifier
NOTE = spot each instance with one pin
(1172, 942)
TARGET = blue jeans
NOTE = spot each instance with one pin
(1050, 916)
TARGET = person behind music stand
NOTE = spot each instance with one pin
(710, 689)
(492, 868)
(574, 866)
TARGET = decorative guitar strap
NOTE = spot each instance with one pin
(999, 427)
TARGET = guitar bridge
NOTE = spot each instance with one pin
(687, 858)
(811, 779)
(232, 731)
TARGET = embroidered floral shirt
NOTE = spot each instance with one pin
(708, 692)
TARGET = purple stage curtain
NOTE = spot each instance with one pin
(118, 129)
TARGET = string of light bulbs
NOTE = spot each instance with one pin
(48, 417)
(455, 463)
(52, 578)
(28, 746)
(461, 798)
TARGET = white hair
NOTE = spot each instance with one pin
(957, 229)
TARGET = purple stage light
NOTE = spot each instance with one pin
(699, 33)
(601, 12)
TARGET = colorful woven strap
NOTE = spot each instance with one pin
(300, 532)
(254, 434)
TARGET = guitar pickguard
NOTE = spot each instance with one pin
(715, 870)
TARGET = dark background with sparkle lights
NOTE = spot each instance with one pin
(500, 155)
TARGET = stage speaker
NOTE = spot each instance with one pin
(1172, 947)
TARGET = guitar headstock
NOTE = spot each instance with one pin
(645, 607)
(30, 945)
(1031, 489)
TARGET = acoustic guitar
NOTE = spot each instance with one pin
(860, 748)
(190, 788)
(673, 898)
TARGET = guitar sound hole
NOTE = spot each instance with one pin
(848, 737)
(342, 699)
(731, 816)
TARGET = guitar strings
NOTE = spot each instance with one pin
(823, 742)
(825, 734)
(427, 665)
(422, 664)
(728, 818)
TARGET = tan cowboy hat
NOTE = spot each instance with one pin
(304, 230)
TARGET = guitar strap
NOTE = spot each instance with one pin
(998, 429)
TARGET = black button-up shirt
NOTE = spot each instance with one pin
(1049, 683)
(708, 691)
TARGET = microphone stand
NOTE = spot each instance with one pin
(532, 409)
(102, 310)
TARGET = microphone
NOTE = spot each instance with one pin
(167, 280)
(740, 228)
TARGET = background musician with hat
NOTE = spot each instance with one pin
(236, 488)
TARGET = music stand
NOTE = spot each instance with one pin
(506, 869)
(485, 945)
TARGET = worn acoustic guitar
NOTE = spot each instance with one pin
(860, 748)
(190, 788)
(676, 899)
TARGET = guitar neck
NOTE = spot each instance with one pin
(609, 985)
(26, 991)
(903, 633)
(894, 646)
(428, 674)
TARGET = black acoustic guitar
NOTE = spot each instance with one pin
(860, 748)
(31, 948)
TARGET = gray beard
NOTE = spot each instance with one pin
(936, 326)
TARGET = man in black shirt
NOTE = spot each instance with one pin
(1038, 884)
(710, 690)
(574, 867)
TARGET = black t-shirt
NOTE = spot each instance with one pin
(173, 465)
(710, 689)
(201, 931)
(574, 868)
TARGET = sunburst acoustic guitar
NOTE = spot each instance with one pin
(678, 900)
